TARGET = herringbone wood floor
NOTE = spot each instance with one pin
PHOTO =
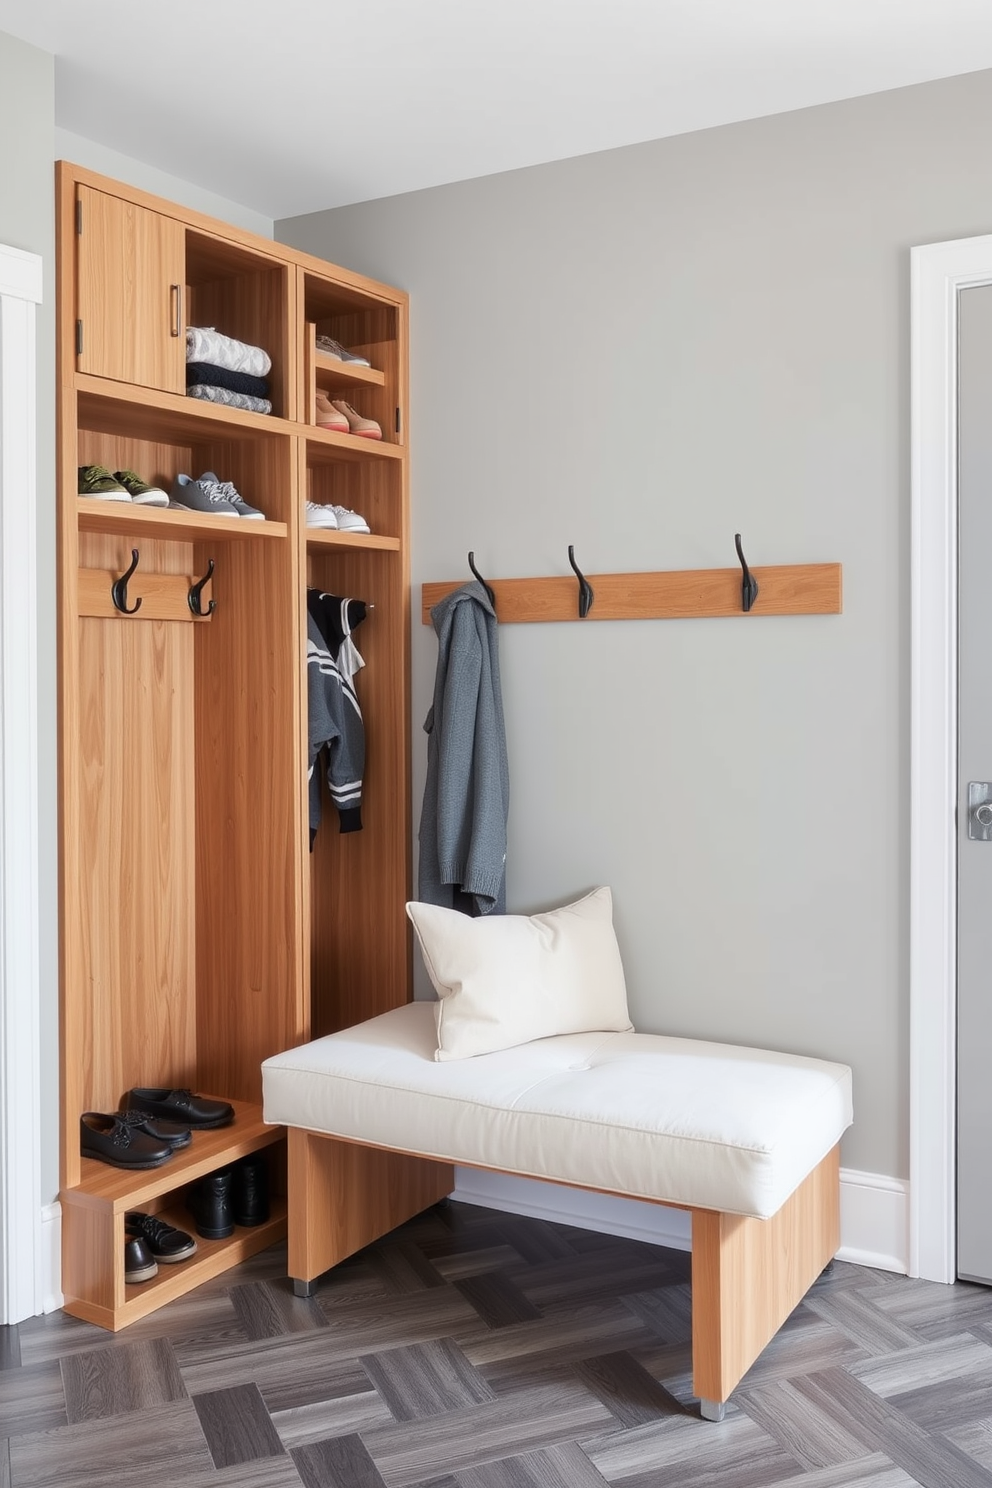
(472, 1349)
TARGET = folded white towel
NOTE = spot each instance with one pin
(204, 344)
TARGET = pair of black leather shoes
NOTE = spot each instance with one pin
(153, 1124)
(182, 1106)
(130, 1139)
(235, 1195)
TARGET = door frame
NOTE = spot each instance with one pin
(939, 272)
(23, 1279)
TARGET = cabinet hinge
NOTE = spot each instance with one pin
(79, 338)
(79, 217)
(397, 421)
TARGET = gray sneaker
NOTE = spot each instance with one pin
(332, 348)
(231, 495)
(190, 495)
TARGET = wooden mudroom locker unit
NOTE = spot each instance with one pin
(198, 932)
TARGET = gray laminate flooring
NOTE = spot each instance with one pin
(473, 1349)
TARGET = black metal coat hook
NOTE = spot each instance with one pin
(195, 595)
(586, 595)
(487, 587)
(118, 589)
(749, 584)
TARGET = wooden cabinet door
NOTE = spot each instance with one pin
(130, 271)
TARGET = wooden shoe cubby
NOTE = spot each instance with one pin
(198, 933)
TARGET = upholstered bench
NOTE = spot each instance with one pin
(745, 1139)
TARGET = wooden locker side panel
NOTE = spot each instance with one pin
(251, 982)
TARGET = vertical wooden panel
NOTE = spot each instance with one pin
(749, 1274)
(92, 1259)
(249, 831)
(136, 895)
(344, 1196)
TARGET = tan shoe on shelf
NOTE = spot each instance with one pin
(366, 428)
(328, 416)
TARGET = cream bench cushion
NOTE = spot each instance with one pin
(679, 1121)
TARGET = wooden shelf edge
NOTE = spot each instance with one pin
(346, 374)
(681, 594)
(324, 443)
(324, 538)
(158, 521)
(153, 406)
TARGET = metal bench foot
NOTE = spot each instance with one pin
(303, 1288)
(712, 1410)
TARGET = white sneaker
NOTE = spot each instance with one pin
(321, 516)
(349, 521)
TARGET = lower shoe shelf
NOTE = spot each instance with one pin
(93, 1214)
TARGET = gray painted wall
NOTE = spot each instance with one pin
(121, 167)
(642, 352)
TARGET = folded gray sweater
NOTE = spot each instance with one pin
(229, 399)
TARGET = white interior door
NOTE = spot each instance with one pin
(974, 815)
(22, 1281)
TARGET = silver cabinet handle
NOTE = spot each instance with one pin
(983, 816)
(176, 293)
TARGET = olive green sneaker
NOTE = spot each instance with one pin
(94, 480)
(140, 492)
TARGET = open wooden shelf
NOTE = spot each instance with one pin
(212, 1258)
(121, 1189)
(333, 373)
(119, 408)
(325, 444)
(323, 537)
(95, 1209)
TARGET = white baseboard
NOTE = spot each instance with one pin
(873, 1212)
(874, 1221)
(50, 1258)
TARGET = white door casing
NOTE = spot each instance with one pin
(939, 272)
(23, 1284)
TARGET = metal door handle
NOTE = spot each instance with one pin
(176, 293)
(980, 810)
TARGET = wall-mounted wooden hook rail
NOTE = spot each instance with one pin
(681, 594)
(163, 596)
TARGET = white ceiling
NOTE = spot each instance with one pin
(292, 106)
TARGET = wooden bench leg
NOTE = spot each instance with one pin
(342, 1196)
(749, 1274)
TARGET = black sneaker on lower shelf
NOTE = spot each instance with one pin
(139, 1263)
(164, 1241)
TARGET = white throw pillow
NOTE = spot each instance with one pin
(504, 980)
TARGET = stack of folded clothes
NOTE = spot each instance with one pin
(223, 370)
